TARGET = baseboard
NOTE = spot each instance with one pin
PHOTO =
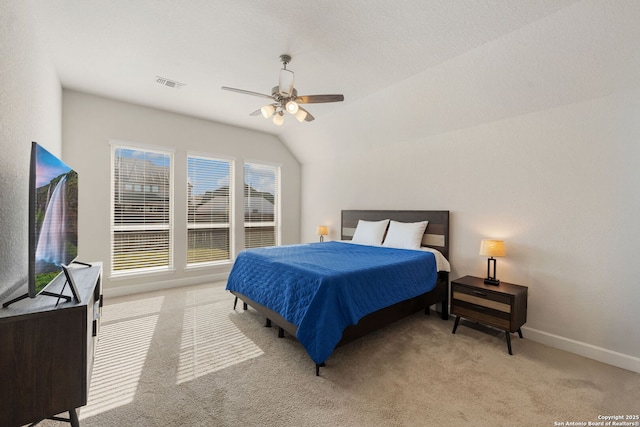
(600, 354)
(119, 291)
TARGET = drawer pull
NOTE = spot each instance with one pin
(482, 294)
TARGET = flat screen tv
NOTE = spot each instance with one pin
(53, 218)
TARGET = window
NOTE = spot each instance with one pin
(209, 202)
(142, 219)
(261, 205)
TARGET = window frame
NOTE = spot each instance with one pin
(169, 226)
(230, 225)
(276, 223)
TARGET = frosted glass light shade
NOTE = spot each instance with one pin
(267, 111)
(292, 107)
(278, 119)
(301, 115)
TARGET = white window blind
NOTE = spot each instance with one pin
(261, 205)
(142, 220)
(209, 204)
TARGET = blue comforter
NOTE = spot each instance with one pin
(324, 287)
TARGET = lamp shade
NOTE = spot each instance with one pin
(492, 248)
(322, 230)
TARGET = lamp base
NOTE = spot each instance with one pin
(491, 281)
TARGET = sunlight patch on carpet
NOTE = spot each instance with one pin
(120, 354)
(131, 309)
(211, 342)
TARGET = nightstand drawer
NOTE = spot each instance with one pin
(480, 299)
(482, 294)
(498, 319)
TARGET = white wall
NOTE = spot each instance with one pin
(90, 122)
(30, 110)
(560, 186)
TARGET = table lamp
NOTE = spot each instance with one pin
(322, 231)
(491, 248)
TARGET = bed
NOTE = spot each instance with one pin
(331, 293)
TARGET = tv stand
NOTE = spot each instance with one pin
(47, 352)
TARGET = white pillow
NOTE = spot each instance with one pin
(405, 235)
(370, 232)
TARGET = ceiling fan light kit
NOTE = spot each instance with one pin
(285, 97)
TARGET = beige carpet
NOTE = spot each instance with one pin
(183, 357)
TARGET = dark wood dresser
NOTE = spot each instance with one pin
(46, 351)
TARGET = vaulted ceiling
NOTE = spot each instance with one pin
(407, 68)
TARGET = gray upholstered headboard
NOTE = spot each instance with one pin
(435, 236)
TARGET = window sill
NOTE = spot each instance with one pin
(209, 265)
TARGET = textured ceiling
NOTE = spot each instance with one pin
(406, 68)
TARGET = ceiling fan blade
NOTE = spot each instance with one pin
(247, 92)
(308, 117)
(286, 82)
(256, 113)
(316, 99)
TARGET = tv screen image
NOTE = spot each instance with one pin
(53, 222)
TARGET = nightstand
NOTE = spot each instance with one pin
(503, 307)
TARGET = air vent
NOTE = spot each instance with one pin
(168, 82)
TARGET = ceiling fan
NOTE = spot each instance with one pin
(284, 97)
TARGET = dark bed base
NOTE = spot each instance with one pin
(371, 322)
(381, 318)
